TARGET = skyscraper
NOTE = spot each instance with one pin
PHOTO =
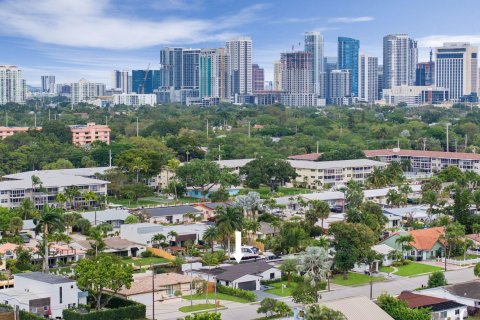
(425, 73)
(171, 63)
(12, 85)
(122, 80)
(380, 82)
(456, 68)
(339, 85)
(145, 83)
(84, 90)
(277, 75)
(190, 66)
(240, 67)
(348, 51)
(213, 76)
(400, 57)
(258, 78)
(48, 84)
(314, 47)
(296, 76)
(367, 78)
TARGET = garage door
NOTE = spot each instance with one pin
(248, 285)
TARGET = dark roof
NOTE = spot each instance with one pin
(214, 205)
(469, 290)
(445, 306)
(166, 211)
(415, 300)
(44, 277)
(234, 272)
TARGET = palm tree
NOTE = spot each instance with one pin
(430, 197)
(172, 235)
(137, 165)
(36, 182)
(476, 199)
(159, 238)
(16, 225)
(229, 220)
(89, 197)
(251, 226)
(71, 219)
(173, 165)
(289, 266)
(98, 244)
(315, 265)
(26, 209)
(393, 198)
(50, 220)
(405, 241)
(211, 235)
(317, 312)
(71, 193)
(61, 198)
(377, 178)
(319, 210)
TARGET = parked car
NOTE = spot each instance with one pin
(25, 237)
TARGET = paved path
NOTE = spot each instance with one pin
(394, 286)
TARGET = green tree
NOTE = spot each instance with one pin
(317, 312)
(437, 279)
(267, 171)
(476, 270)
(50, 220)
(287, 267)
(405, 243)
(132, 219)
(229, 220)
(267, 306)
(430, 197)
(16, 225)
(315, 265)
(319, 210)
(173, 165)
(26, 209)
(204, 316)
(104, 272)
(72, 192)
(399, 310)
(211, 235)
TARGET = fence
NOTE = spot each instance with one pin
(462, 262)
(161, 253)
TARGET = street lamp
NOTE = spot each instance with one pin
(153, 292)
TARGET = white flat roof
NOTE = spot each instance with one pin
(318, 165)
(106, 215)
(234, 163)
(325, 196)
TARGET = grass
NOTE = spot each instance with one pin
(467, 257)
(355, 279)
(386, 269)
(282, 191)
(414, 268)
(151, 201)
(211, 297)
(197, 307)
(145, 261)
(277, 290)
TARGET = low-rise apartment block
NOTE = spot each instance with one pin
(10, 131)
(86, 134)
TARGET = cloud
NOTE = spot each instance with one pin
(351, 19)
(438, 40)
(94, 24)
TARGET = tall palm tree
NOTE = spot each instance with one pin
(71, 193)
(377, 178)
(393, 198)
(315, 265)
(159, 238)
(173, 165)
(251, 226)
(211, 235)
(90, 196)
(36, 182)
(319, 210)
(172, 235)
(430, 197)
(16, 225)
(287, 267)
(71, 219)
(61, 198)
(26, 209)
(229, 220)
(50, 220)
(317, 312)
(405, 241)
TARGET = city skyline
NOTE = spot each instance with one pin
(40, 41)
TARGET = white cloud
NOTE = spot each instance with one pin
(351, 19)
(438, 40)
(92, 23)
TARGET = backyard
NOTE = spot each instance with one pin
(145, 261)
(151, 201)
(355, 279)
(282, 191)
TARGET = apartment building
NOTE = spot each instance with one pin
(10, 131)
(86, 134)
(427, 161)
(18, 186)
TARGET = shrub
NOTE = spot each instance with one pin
(239, 293)
(204, 316)
(146, 254)
(437, 279)
(118, 308)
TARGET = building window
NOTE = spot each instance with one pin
(457, 311)
(170, 290)
(272, 275)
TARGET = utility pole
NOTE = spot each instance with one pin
(110, 158)
(448, 148)
(153, 292)
(137, 126)
(207, 128)
(219, 156)
(318, 146)
(249, 125)
(424, 143)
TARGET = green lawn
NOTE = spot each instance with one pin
(282, 191)
(211, 297)
(287, 292)
(145, 261)
(197, 307)
(355, 279)
(151, 201)
(466, 257)
(386, 269)
(414, 268)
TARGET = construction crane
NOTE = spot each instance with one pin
(142, 91)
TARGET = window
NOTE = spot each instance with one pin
(457, 311)
(272, 275)
(170, 291)
(443, 314)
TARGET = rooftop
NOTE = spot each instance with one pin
(143, 283)
(415, 300)
(358, 308)
(44, 277)
(319, 165)
(469, 289)
(167, 211)
(231, 273)
(105, 215)
(421, 153)
(234, 163)
(306, 156)
(425, 239)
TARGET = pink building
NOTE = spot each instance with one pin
(10, 131)
(86, 134)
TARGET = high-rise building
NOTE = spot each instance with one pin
(63, 89)
(456, 68)
(190, 66)
(339, 85)
(240, 67)
(277, 75)
(258, 78)
(425, 73)
(84, 90)
(122, 80)
(171, 63)
(296, 68)
(400, 58)
(380, 82)
(348, 51)
(48, 84)
(314, 47)
(145, 83)
(367, 78)
(213, 75)
(12, 85)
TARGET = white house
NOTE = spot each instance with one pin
(466, 293)
(115, 217)
(43, 294)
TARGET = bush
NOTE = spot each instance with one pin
(146, 254)
(437, 279)
(24, 315)
(239, 293)
(118, 308)
(204, 316)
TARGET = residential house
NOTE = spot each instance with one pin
(384, 252)
(475, 237)
(209, 208)
(267, 230)
(398, 216)
(466, 293)
(427, 243)
(114, 217)
(143, 232)
(116, 245)
(43, 294)
(173, 214)
(442, 309)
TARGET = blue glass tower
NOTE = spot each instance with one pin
(348, 52)
(149, 84)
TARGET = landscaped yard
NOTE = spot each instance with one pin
(466, 257)
(145, 261)
(151, 201)
(355, 279)
(277, 290)
(386, 269)
(197, 307)
(414, 268)
(282, 191)
(211, 297)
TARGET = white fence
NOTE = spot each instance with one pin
(466, 261)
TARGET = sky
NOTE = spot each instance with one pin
(75, 39)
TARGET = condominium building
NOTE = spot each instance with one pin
(171, 61)
(380, 82)
(122, 80)
(415, 95)
(190, 68)
(84, 90)
(277, 75)
(367, 78)
(48, 84)
(12, 85)
(400, 58)
(258, 78)
(348, 52)
(16, 187)
(456, 68)
(427, 161)
(213, 75)
(314, 48)
(240, 67)
(10, 131)
(86, 134)
(339, 85)
(134, 99)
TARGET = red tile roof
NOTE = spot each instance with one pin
(306, 156)
(425, 239)
(421, 153)
(414, 300)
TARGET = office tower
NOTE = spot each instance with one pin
(339, 85)
(48, 84)
(330, 63)
(456, 68)
(348, 51)
(213, 75)
(84, 90)
(425, 73)
(380, 82)
(400, 57)
(277, 75)
(258, 78)
(145, 83)
(296, 76)
(171, 63)
(122, 80)
(240, 67)
(190, 65)
(314, 47)
(367, 78)
(12, 86)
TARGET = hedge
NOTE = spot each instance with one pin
(118, 309)
(239, 293)
(24, 315)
